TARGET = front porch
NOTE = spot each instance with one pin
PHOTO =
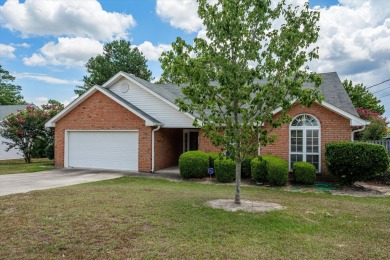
(170, 143)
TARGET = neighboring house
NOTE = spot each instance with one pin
(131, 124)
(13, 153)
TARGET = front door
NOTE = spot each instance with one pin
(190, 140)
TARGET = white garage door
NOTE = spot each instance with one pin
(117, 150)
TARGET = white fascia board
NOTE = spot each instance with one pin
(68, 108)
(121, 74)
(114, 79)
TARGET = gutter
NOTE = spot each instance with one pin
(355, 131)
(154, 130)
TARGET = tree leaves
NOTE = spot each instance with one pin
(9, 93)
(222, 88)
(117, 56)
(362, 97)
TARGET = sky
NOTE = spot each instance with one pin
(46, 43)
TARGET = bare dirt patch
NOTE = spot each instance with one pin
(246, 205)
(364, 189)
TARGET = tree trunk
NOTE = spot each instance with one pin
(237, 199)
(27, 159)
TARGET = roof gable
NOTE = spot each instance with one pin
(151, 98)
(6, 110)
(149, 120)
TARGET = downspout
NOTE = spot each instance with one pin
(355, 131)
(154, 130)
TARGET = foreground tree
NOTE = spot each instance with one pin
(243, 47)
(362, 97)
(117, 56)
(26, 130)
(9, 93)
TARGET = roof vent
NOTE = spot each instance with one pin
(124, 87)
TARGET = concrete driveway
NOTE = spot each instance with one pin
(25, 182)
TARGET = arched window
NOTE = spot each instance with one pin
(305, 143)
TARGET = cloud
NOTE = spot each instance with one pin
(66, 52)
(63, 17)
(35, 60)
(38, 101)
(354, 37)
(182, 14)
(24, 45)
(68, 101)
(7, 51)
(152, 52)
(45, 78)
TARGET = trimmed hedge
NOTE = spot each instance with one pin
(258, 169)
(277, 170)
(225, 169)
(246, 167)
(356, 161)
(212, 157)
(193, 164)
(304, 172)
(271, 169)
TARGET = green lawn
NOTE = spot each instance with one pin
(150, 218)
(19, 166)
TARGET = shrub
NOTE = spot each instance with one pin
(193, 164)
(258, 169)
(246, 167)
(50, 151)
(384, 178)
(225, 169)
(212, 157)
(304, 172)
(277, 170)
(356, 161)
(270, 168)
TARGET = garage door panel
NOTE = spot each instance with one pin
(103, 149)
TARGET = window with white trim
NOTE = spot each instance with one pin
(305, 140)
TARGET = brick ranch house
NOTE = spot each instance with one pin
(131, 124)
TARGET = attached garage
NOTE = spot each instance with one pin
(116, 150)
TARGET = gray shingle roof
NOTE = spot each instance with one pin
(331, 88)
(334, 92)
(130, 105)
(10, 109)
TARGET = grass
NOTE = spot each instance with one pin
(19, 166)
(157, 219)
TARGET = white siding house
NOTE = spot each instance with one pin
(13, 153)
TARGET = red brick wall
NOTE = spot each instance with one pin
(99, 112)
(168, 147)
(333, 128)
(206, 145)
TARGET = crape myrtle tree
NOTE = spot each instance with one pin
(246, 41)
(25, 129)
(376, 130)
(117, 56)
